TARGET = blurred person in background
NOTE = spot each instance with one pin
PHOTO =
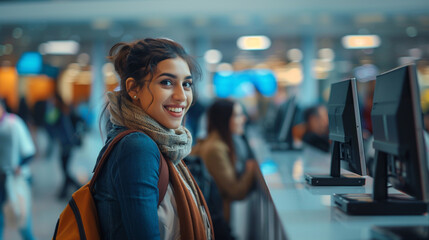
(221, 157)
(156, 90)
(60, 126)
(16, 150)
(193, 117)
(316, 125)
(366, 114)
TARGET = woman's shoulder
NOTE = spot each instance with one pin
(133, 136)
(136, 141)
(135, 144)
(136, 150)
(13, 120)
(213, 142)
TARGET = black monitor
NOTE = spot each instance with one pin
(345, 133)
(399, 145)
(285, 133)
(285, 120)
(273, 119)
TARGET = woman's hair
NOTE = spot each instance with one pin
(139, 60)
(219, 116)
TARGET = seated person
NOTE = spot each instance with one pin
(316, 125)
(217, 150)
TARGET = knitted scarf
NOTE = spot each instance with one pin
(175, 144)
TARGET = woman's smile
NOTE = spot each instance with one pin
(175, 111)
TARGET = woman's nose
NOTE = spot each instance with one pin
(179, 93)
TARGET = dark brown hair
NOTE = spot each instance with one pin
(140, 59)
(219, 116)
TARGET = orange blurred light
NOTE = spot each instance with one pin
(40, 87)
(253, 42)
(361, 41)
(9, 86)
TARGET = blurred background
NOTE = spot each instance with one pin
(260, 52)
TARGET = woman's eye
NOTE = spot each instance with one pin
(166, 82)
(187, 84)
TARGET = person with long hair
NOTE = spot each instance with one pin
(156, 90)
(220, 156)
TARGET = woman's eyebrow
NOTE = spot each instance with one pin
(167, 75)
(173, 76)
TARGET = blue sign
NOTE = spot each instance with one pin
(245, 83)
(29, 63)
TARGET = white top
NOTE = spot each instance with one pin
(169, 227)
(15, 142)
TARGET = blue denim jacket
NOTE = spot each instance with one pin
(126, 192)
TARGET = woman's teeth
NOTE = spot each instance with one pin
(177, 110)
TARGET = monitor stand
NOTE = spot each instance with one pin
(342, 180)
(380, 202)
(335, 178)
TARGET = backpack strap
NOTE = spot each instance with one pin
(163, 168)
(164, 178)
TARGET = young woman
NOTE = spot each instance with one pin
(156, 90)
(221, 156)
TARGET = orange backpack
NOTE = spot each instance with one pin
(79, 220)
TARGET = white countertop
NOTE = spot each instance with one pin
(308, 212)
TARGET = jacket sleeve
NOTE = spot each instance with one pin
(220, 167)
(136, 177)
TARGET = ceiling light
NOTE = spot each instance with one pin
(213, 56)
(59, 47)
(361, 41)
(294, 55)
(253, 42)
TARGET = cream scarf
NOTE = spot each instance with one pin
(175, 144)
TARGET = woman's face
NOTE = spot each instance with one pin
(236, 123)
(169, 94)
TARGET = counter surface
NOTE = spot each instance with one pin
(308, 212)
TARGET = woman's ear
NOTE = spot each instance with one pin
(131, 86)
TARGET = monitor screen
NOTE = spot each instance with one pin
(289, 111)
(345, 126)
(278, 124)
(398, 131)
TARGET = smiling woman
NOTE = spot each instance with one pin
(156, 91)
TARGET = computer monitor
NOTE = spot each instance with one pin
(285, 133)
(284, 121)
(345, 133)
(399, 150)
